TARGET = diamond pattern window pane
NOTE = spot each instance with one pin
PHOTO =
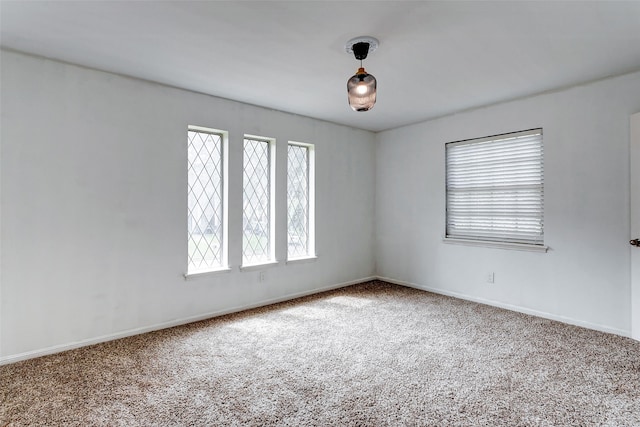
(298, 201)
(204, 200)
(256, 221)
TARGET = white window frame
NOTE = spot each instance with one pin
(272, 206)
(224, 162)
(311, 207)
(505, 239)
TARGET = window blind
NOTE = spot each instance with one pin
(495, 188)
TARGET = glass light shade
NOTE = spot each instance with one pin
(362, 91)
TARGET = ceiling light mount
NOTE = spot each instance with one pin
(373, 44)
(362, 86)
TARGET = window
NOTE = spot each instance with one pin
(495, 189)
(206, 227)
(300, 200)
(257, 218)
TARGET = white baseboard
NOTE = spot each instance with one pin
(545, 315)
(5, 360)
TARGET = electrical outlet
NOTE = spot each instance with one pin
(261, 276)
(491, 277)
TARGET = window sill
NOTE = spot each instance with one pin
(199, 274)
(302, 260)
(254, 267)
(496, 245)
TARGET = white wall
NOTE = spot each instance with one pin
(93, 206)
(584, 278)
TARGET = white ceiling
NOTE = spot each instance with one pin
(435, 58)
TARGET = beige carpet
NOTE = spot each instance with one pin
(369, 355)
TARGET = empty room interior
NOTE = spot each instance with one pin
(359, 213)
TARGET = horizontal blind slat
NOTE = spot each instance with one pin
(522, 149)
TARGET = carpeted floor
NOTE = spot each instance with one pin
(373, 354)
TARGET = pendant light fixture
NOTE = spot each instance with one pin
(362, 87)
